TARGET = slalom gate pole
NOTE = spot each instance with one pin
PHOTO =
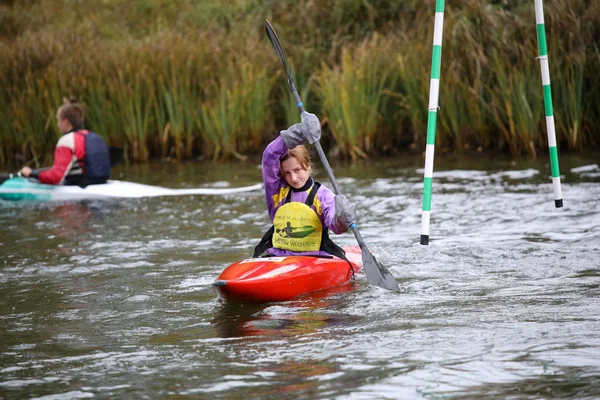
(543, 56)
(434, 92)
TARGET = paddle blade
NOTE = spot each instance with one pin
(272, 35)
(4, 176)
(116, 155)
(377, 274)
(276, 45)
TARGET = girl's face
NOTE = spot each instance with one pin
(294, 173)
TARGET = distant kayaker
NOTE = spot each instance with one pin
(81, 157)
(302, 210)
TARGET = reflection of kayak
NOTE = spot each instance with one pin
(18, 189)
(237, 320)
(268, 279)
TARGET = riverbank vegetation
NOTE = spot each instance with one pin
(180, 79)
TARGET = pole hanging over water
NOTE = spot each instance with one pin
(543, 56)
(434, 92)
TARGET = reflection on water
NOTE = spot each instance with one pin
(114, 299)
(245, 320)
(73, 220)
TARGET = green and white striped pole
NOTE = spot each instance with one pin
(543, 56)
(434, 94)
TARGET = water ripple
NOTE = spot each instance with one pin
(114, 300)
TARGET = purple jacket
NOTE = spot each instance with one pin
(276, 190)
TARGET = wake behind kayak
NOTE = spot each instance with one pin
(20, 189)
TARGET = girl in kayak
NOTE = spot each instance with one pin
(302, 210)
(81, 157)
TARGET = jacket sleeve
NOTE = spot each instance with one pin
(63, 158)
(271, 165)
(327, 202)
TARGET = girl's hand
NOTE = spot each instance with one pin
(345, 211)
(311, 127)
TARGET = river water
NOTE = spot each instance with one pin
(113, 299)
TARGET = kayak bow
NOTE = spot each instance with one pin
(270, 279)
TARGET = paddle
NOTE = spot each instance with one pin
(377, 274)
(116, 155)
(5, 176)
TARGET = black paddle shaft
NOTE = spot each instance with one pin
(6, 176)
(377, 274)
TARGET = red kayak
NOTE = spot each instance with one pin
(269, 279)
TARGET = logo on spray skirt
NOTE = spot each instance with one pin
(297, 228)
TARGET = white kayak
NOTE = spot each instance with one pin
(19, 189)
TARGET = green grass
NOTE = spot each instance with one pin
(182, 79)
(220, 119)
(353, 95)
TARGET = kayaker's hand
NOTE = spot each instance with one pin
(25, 171)
(345, 211)
(292, 136)
(311, 127)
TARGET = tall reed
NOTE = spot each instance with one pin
(569, 102)
(183, 79)
(178, 101)
(516, 103)
(219, 119)
(136, 102)
(257, 83)
(412, 99)
(353, 95)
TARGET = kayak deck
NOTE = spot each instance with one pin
(271, 279)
